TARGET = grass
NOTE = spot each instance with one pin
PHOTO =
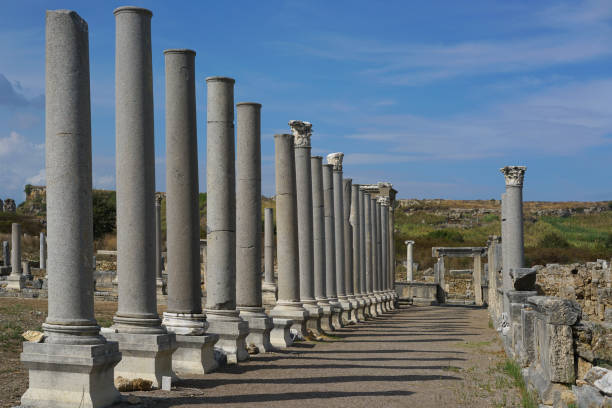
(513, 370)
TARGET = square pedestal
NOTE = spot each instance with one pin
(326, 317)
(260, 326)
(379, 306)
(194, 354)
(15, 282)
(147, 356)
(372, 306)
(360, 309)
(336, 315)
(232, 337)
(62, 375)
(354, 310)
(346, 315)
(297, 313)
(314, 318)
(280, 336)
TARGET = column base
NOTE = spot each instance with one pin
(186, 324)
(147, 356)
(161, 287)
(360, 308)
(260, 326)
(232, 331)
(15, 282)
(296, 312)
(195, 354)
(354, 309)
(326, 317)
(379, 307)
(336, 314)
(314, 318)
(346, 312)
(372, 307)
(366, 308)
(280, 336)
(62, 375)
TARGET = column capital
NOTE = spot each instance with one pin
(301, 133)
(409, 242)
(514, 175)
(383, 200)
(158, 198)
(335, 159)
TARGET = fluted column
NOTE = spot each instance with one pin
(288, 305)
(330, 245)
(355, 220)
(303, 173)
(221, 313)
(63, 371)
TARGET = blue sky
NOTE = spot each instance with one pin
(433, 96)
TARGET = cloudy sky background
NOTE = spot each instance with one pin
(434, 98)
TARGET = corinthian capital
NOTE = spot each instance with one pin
(383, 200)
(514, 175)
(335, 159)
(301, 133)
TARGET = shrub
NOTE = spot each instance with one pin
(553, 240)
(446, 235)
(104, 212)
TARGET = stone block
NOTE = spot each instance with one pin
(232, 337)
(523, 279)
(15, 282)
(528, 317)
(194, 354)
(589, 397)
(146, 356)
(260, 326)
(556, 310)
(560, 353)
(280, 336)
(62, 375)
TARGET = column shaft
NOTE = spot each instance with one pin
(43, 251)
(318, 217)
(368, 243)
(158, 240)
(374, 254)
(269, 246)
(362, 267)
(330, 242)
(16, 249)
(379, 258)
(339, 233)
(348, 238)
(355, 221)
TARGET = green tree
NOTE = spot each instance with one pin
(104, 212)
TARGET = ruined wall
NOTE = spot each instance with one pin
(459, 284)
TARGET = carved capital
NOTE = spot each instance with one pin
(409, 242)
(301, 133)
(158, 198)
(335, 159)
(514, 175)
(386, 201)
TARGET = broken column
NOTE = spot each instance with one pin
(184, 316)
(355, 220)
(288, 307)
(269, 286)
(145, 345)
(318, 230)
(222, 316)
(409, 260)
(477, 275)
(335, 159)
(302, 132)
(248, 226)
(330, 245)
(73, 365)
(16, 280)
(43, 252)
(159, 281)
(351, 314)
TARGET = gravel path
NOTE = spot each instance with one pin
(413, 357)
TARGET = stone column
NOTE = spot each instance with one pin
(379, 260)
(350, 315)
(73, 366)
(330, 245)
(477, 275)
(301, 145)
(374, 257)
(269, 286)
(223, 318)
(145, 345)
(6, 254)
(248, 226)
(43, 251)
(369, 256)
(355, 220)
(392, 292)
(512, 225)
(16, 280)
(288, 307)
(335, 159)
(384, 222)
(409, 260)
(159, 281)
(363, 197)
(184, 315)
(318, 228)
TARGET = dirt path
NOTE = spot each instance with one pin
(414, 357)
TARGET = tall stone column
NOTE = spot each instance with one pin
(384, 222)
(302, 132)
(159, 280)
(288, 306)
(248, 226)
(184, 315)
(355, 220)
(145, 345)
(409, 260)
(269, 286)
(392, 292)
(73, 365)
(43, 251)
(350, 315)
(379, 261)
(335, 159)
(369, 256)
(330, 245)
(16, 280)
(318, 228)
(223, 318)
(477, 274)
(362, 241)
(6, 255)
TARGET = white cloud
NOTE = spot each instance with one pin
(22, 162)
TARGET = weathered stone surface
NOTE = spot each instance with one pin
(560, 353)
(523, 278)
(557, 311)
(590, 397)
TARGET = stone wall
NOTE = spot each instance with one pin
(459, 284)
